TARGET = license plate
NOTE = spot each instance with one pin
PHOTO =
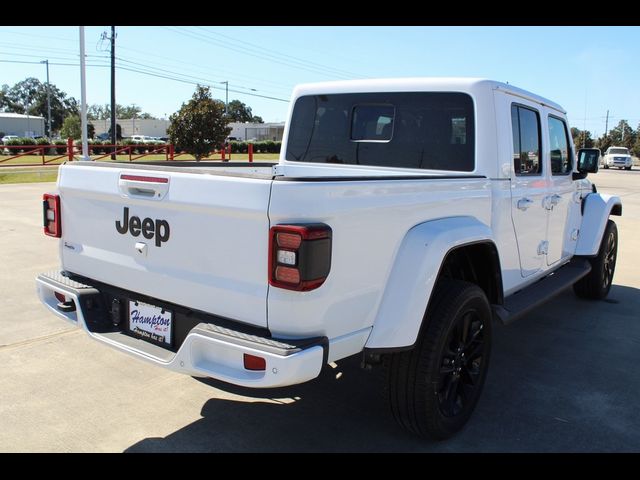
(150, 322)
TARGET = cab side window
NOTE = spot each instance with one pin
(560, 153)
(525, 124)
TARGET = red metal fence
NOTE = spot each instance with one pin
(71, 150)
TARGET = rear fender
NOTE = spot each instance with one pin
(414, 274)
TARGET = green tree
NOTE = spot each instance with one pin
(581, 138)
(200, 124)
(636, 146)
(71, 127)
(604, 142)
(98, 112)
(240, 112)
(31, 95)
(622, 135)
(103, 112)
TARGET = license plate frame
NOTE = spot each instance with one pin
(151, 323)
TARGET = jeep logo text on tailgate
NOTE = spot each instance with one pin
(148, 227)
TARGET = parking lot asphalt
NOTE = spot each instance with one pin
(562, 379)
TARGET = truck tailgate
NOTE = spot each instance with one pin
(190, 238)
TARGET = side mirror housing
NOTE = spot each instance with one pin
(588, 162)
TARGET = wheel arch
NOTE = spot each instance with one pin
(596, 210)
(459, 247)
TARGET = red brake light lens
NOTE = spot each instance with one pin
(299, 256)
(288, 240)
(51, 215)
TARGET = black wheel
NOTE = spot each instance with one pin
(433, 389)
(627, 168)
(605, 166)
(597, 284)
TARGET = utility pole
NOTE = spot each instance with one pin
(83, 98)
(113, 91)
(46, 62)
(226, 102)
(606, 125)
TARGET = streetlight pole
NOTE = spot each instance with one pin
(46, 62)
(83, 98)
(28, 119)
(226, 103)
(114, 137)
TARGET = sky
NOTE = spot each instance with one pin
(587, 70)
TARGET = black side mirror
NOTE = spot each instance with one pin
(588, 162)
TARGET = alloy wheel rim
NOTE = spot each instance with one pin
(461, 364)
(609, 262)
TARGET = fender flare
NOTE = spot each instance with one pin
(596, 209)
(413, 275)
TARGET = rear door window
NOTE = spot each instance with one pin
(525, 124)
(560, 152)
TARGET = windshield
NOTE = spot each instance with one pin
(619, 151)
(427, 130)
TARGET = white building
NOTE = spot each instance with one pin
(21, 125)
(257, 131)
(158, 128)
(134, 126)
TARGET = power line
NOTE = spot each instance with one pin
(283, 55)
(242, 50)
(152, 74)
(30, 35)
(53, 63)
(166, 71)
(222, 72)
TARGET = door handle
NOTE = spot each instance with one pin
(524, 203)
(152, 188)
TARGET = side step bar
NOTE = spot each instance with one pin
(531, 297)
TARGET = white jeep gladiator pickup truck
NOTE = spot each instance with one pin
(403, 217)
(617, 157)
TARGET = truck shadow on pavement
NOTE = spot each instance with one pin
(563, 378)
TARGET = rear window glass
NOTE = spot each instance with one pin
(428, 130)
(371, 122)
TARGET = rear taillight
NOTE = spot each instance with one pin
(299, 256)
(51, 215)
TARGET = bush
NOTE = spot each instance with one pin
(60, 150)
(14, 142)
(267, 146)
(45, 141)
(126, 142)
(29, 143)
(239, 147)
(95, 147)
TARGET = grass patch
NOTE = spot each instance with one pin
(13, 176)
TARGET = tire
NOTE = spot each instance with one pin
(627, 168)
(433, 389)
(606, 166)
(596, 285)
